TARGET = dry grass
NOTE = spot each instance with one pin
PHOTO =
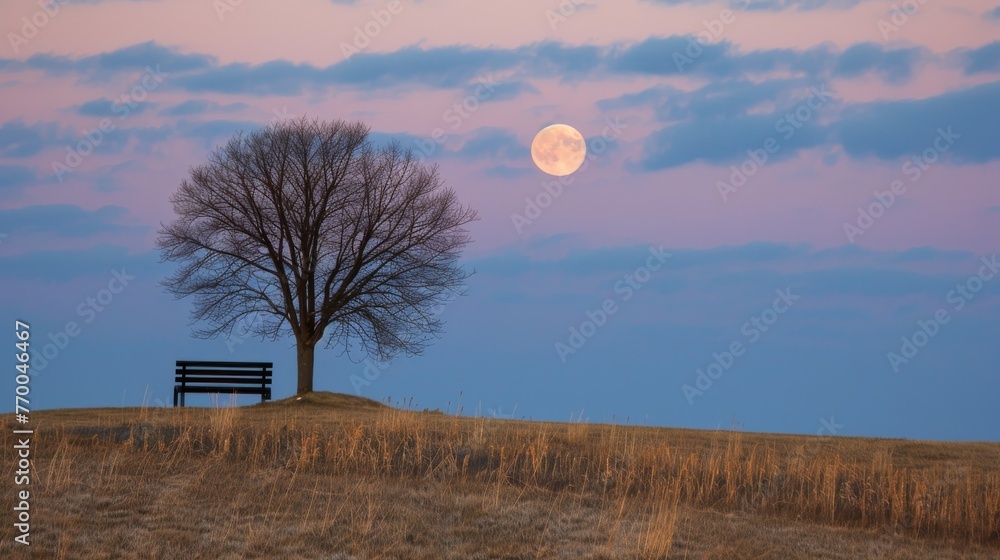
(338, 477)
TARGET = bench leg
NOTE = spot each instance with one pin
(175, 397)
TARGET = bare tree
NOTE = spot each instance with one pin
(316, 232)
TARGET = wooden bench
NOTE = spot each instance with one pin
(251, 378)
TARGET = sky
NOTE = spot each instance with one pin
(788, 219)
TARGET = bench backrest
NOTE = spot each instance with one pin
(230, 373)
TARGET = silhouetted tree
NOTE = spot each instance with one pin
(314, 231)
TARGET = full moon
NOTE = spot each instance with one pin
(558, 149)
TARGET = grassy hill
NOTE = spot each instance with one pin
(340, 477)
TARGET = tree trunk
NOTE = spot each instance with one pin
(306, 353)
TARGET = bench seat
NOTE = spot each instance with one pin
(251, 378)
